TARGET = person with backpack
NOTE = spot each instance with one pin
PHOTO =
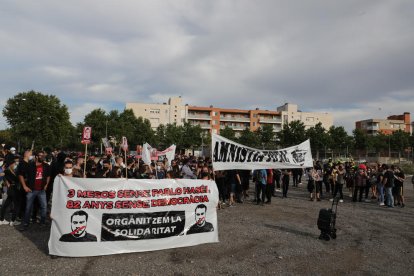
(261, 180)
(388, 183)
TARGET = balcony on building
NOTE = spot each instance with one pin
(199, 116)
(270, 120)
(202, 124)
(236, 127)
(373, 127)
(229, 117)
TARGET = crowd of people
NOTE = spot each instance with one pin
(27, 180)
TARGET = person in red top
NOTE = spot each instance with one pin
(270, 186)
(37, 174)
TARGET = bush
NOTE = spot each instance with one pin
(407, 168)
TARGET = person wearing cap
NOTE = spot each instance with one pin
(8, 155)
(12, 182)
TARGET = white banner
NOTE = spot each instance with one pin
(146, 153)
(229, 155)
(151, 154)
(94, 217)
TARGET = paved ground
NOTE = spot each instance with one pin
(281, 239)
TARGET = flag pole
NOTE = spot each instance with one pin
(86, 154)
(126, 165)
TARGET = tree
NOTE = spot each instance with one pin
(318, 138)
(39, 117)
(362, 141)
(191, 136)
(379, 142)
(400, 141)
(160, 136)
(174, 135)
(266, 136)
(249, 138)
(292, 134)
(117, 125)
(96, 119)
(6, 137)
(228, 133)
(338, 138)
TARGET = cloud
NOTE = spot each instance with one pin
(341, 56)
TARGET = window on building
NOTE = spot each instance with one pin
(254, 123)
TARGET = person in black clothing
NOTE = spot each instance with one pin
(38, 176)
(234, 182)
(277, 174)
(78, 221)
(175, 169)
(399, 182)
(285, 181)
(12, 182)
(105, 171)
(388, 182)
(201, 225)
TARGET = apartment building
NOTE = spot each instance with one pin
(213, 119)
(290, 112)
(386, 126)
(170, 112)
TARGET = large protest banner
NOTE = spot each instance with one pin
(229, 155)
(92, 217)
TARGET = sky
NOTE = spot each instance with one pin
(353, 59)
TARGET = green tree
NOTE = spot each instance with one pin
(228, 133)
(6, 137)
(249, 138)
(266, 136)
(143, 132)
(174, 135)
(400, 141)
(380, 142)
(97, 120)
(318, 138)
(160, 136)
(39, 117)
(292, 134)
(362, 141)
(338, 138)
(191, 137)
